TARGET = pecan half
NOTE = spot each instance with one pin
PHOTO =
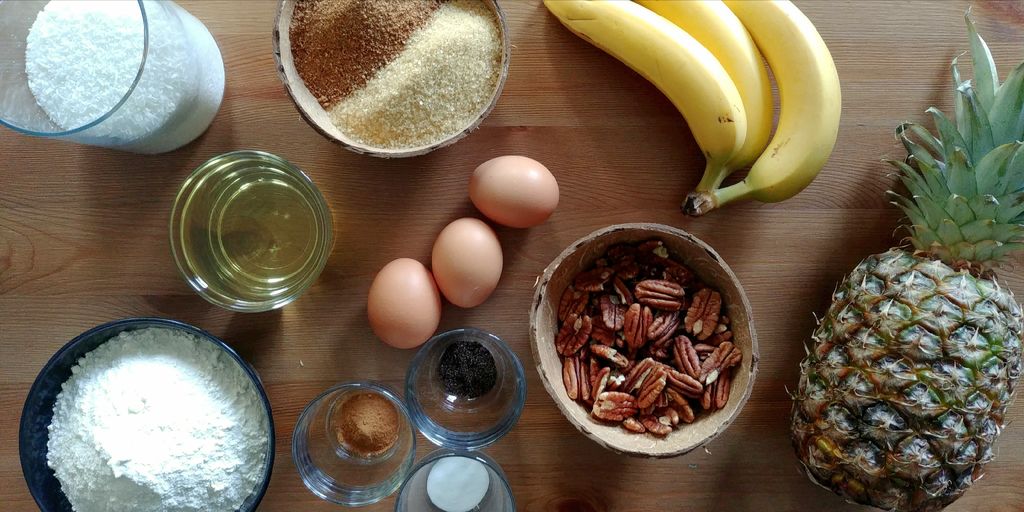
(684, 384)
(593, 280)
(614, 406)
(573, 335)
(703, 349)
(638, 374)
(622, 251)
(615, 381)
(633, 425)
(674, 396)
(571, 377)
(655, 426)
(659, 350)
(573, 302)
(667, 415)
(686, 414)
(685, 356)
(725, 356)
(662, 401)
(599, 381)
(660, 294)
(603, 335)
(653, 385)
(718, 338)
(635, 325)
(611, 314)
(722, 387)
(609, 354)
(624, 294)
(584, 382)
(627, 268)
(663, 325)
(707, 399)
(677, 272)
(702, 316)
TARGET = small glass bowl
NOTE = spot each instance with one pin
(413, 495)
(249, 231)
(454, 422)
(333, 474)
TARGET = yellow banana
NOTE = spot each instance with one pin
(686, 72)
(810, 105)
(712, 24)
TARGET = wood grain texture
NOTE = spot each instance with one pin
(83, 240)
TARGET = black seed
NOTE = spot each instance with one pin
(467, 369)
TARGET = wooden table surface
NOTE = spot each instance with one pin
(83, 240)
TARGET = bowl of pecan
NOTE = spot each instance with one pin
(643, 337)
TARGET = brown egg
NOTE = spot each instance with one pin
(515, 191)
(404, 306)
(467, 262)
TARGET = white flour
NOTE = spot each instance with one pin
(157, 420)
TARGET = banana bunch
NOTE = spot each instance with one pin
(706, 57)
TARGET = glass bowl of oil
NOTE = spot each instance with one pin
(250, 231)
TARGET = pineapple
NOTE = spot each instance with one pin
(903, 392)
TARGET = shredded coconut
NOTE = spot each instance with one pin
(82, 56)
(157, 420)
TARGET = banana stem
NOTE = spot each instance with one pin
(714, 175)
(699, 203)
(735, 192)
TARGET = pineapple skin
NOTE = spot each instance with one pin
(904, 390)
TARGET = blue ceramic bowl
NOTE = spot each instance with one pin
(38, 410)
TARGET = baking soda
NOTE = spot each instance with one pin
(157, 420)
(83, 56)
(457, 484)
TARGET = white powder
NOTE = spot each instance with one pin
(82, 56)
(157, 420)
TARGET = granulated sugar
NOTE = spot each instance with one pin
(338, 45)
(82, 57)
(435, 88)
(157, 419)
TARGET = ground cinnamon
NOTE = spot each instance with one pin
(338, 45)
(366, 424)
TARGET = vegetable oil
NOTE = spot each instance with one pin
(250, 231)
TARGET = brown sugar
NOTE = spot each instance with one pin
(338, 45)
(366, 424)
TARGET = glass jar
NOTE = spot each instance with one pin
(136, 75)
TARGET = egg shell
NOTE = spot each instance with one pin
(514, 191)
(404, 305)
(467, 262)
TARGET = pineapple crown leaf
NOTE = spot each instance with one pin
(965, 180)
(985, 78)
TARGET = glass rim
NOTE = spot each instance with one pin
(117, 106)
(322, 216)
